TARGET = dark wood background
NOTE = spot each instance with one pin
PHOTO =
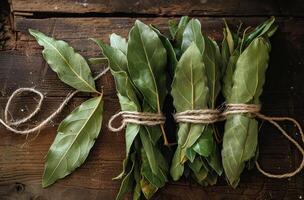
(21, 65)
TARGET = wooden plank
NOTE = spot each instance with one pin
(154, 7)
(161, 8)
(21, 168)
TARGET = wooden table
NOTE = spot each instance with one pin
(21, 65)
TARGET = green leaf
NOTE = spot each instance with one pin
(214, 160)
(70, 67)
(119, 42)
(267, 28)
(155, 179)
(137, 189)
(189, 86)
(180, 31)
(212, 70)
(201, 175)
(177, 168)
(193, 33)
(229, 39)
(147, 58)
(227, 80)
(251, 66)
(173, 27)
(196, 165)
(75, 138)
(236, 139)
(147, 188)
(205, 144)
(172, 60)
(127, 182)
(190, 153)
(149, 149)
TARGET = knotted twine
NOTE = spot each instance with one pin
(208, 116)
(11, 125)
(140, 118)
(134, 117)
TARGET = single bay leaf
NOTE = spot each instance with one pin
(228, 76)
(251, 66)
(177, 168)
(75, 138)
(127, 182)
(193, 33)
(212, 70)
(189, 86)
(205, 144)
(234, 144)
(214, 160)
(180, 31)
(155, 179)
(196, 165)
(119, 43)
(190, 153)
(173, 27)
(172, 60)
(147, 58)
(70, 66)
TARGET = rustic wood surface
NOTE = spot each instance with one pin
(21, 65)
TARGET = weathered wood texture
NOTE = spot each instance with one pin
(21, 162)
(162, 7)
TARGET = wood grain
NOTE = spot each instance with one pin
(162, 7)
(21, 163)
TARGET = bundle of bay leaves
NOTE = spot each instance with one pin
(195, 86)
(139, 69)
(245, 58)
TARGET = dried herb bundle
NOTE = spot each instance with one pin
(196, 84)
(139, 69)
(246, 57)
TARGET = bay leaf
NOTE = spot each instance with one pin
(180, 31)
(127, 182)
(171, 56)
(70, 66)
(75, 138)
(193, 33)
(119, 43)
(177, 168)
(147, 58)
(205, 144)
(251, 66)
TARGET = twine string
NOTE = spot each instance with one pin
(255, 111)
(203, 116)
(134, 117)
(11, 125)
